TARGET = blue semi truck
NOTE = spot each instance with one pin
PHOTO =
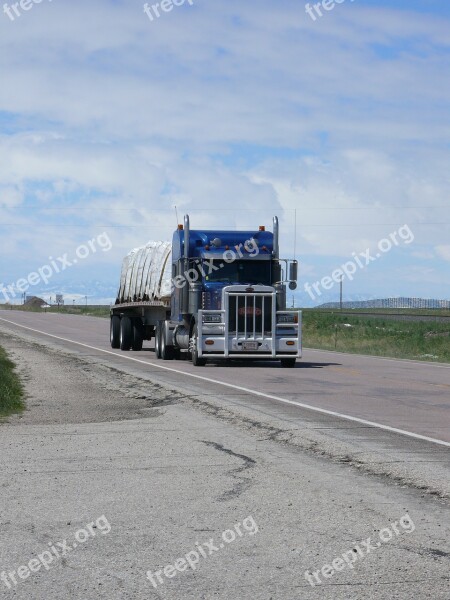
(208, 296)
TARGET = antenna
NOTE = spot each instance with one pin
(295, 233)
(176, 214)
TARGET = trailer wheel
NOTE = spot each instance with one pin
(167, 352)
(158, 340)
(126, 333)
(197, 361)
(115, 331)
(288, 363)
(138, 335)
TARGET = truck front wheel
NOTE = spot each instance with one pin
(167, 352)
(197, 361)
(126, 333)
(115, 331)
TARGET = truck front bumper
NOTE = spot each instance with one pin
(216, 342)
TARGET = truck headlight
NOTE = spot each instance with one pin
(287, 318)
(212, 318)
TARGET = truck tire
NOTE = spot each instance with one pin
(288, 363)
(138, 335)
(126, 333)
(167, 352)
(158, 340)
(115, 331)
(197, 361)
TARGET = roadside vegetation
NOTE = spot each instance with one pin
(11, 390)
(432, 312)
(91, 311)
(418, 340)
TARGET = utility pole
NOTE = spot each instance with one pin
(340, 296)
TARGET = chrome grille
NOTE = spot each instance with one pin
(250, 315)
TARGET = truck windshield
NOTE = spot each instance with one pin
(240, 271)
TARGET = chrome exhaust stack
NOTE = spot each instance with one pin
(276, 238)
(185, 290)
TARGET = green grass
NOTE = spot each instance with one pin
(11, 390)
(433, 312)
(398, 339)
(91, 311)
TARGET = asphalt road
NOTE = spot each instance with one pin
(122, 467)
(410, 396)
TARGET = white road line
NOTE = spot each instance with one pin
(372, 356)
(243, 389)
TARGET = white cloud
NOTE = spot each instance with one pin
(230, 111)
(443, 251)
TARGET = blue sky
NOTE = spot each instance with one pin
(232, 112)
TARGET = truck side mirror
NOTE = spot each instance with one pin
(293, 275)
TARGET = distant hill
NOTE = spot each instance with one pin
(391, 303)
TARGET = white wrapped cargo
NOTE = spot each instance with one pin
(146, 274)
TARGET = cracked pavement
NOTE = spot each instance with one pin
(171, 471)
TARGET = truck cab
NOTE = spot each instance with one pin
(228, 298)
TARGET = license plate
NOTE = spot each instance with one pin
(249, 346)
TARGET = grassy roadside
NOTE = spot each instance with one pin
(90, 311)
(417, 340)
(435, 312)
(11, 390)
